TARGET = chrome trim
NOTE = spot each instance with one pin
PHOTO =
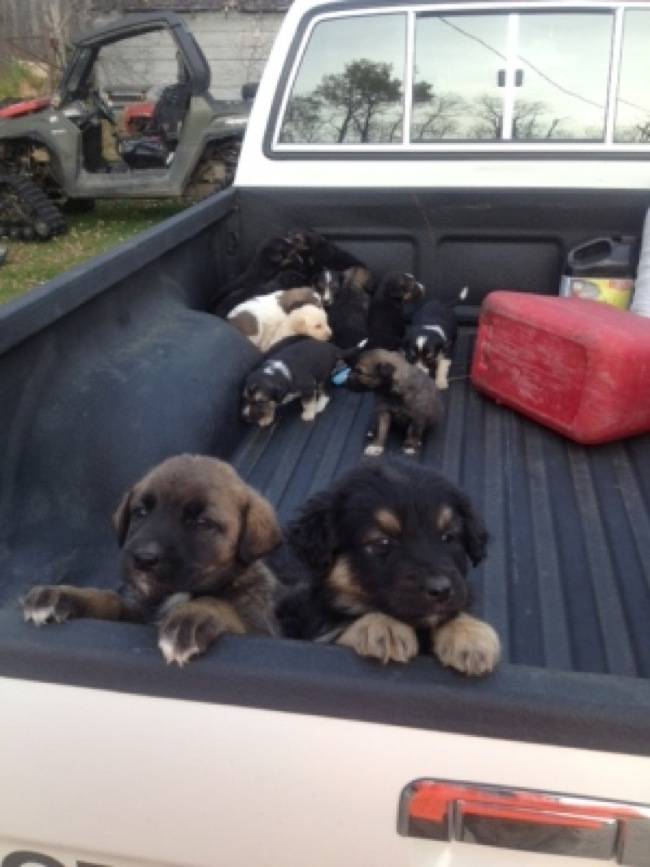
(409, 77)
(614, 75)
(509, 93)
(526, 820)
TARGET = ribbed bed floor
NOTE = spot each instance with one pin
(567, 578)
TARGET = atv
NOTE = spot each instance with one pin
(101, 137)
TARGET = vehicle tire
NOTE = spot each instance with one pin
(79, 206)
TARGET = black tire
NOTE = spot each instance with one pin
(23, 205)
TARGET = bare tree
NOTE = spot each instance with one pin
(363, 91)
(40, 31)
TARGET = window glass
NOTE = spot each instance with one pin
(139, 65)
(456, 93)
(633, 102)
(349, 88)
(563, 68)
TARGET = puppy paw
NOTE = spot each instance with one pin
(467, 644)
(323, 400)
(373, 450)
(410, 449)
(51, 604)
(191, 627)
(381, 637)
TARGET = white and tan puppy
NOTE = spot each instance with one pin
(267, 319)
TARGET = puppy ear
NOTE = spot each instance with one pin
(312, 534)
(475, 536)
(260, 532)
(121, 517)
(386, 371)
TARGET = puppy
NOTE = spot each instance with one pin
(430, 338)
(387, 549)
(387, 315)
(267, 319)
(346, 295)
(403, 394)
(317, 253)
(192, 534)
(297, 368)
(274, 256)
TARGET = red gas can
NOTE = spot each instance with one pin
(579, 367)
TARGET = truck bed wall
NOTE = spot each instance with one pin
(116, 365)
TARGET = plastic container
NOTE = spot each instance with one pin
(601, 269)
(641, 302)
(580, 368)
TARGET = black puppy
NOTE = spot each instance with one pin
(387, 549)
(387, 314)
(317, 253)
(430, 338)
(346, 295)
(403, 394)
(273, 256)
(297, 368)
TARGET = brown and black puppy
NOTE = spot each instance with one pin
(192, 534)
(273, 256)
(403, 394)
(316, 252)
(388, 548)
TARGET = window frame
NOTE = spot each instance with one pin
(504, 147)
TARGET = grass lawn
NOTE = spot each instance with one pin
(30, 264)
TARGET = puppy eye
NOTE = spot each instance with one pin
(379, 546)
(140, 511)
(200, 522)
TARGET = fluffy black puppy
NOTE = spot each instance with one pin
(297, 368)
(273, 256)
(388, 548)
(387, 314)
(430, 338)
(317, 253)
(346, 295)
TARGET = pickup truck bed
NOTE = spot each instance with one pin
(117, 365)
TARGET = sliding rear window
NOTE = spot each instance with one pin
(453, 79)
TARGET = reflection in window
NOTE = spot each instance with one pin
(349, 86)
(455, 90)
(633, 103)
(564, 67)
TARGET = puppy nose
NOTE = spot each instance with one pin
(438, 587)
(146, 558)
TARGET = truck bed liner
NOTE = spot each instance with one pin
(566, 588)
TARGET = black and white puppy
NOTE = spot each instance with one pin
(346, 295)
(387, 314)
(430, 338)
(403, 394)
(387, 548)
(297, 368)
(272, 257)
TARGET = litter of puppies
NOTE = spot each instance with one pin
(387, 547)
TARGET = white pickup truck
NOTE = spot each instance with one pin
(470, 143)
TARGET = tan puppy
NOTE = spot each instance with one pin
(192, 534)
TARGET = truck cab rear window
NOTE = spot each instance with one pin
(350, 84)
(505, 77)
(454, 79)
